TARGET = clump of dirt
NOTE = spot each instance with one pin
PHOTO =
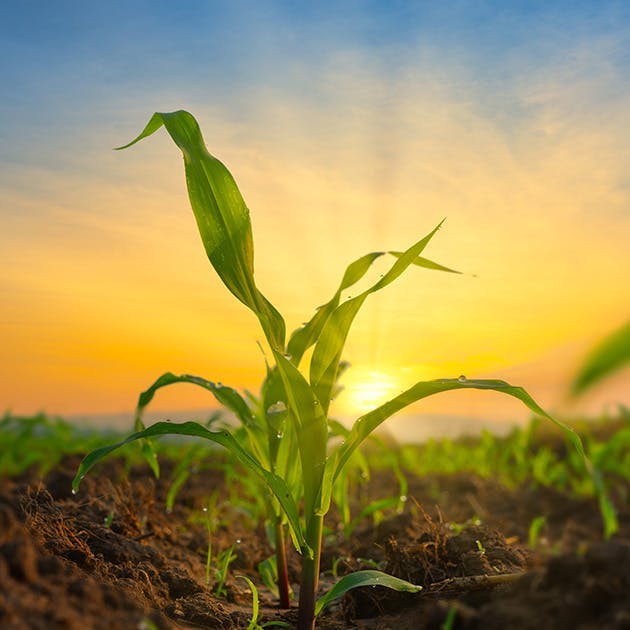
(112, 556)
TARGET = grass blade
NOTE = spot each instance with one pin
(364, 578)
(224, 438)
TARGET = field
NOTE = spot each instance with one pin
(499, 532)
(525, 531)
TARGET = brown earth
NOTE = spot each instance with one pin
(62, 565)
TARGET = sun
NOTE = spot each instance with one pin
(365, 390)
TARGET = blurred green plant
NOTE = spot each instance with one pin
(608, 356)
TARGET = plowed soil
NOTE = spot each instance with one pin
(112, 557)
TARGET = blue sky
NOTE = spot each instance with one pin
(368, 118)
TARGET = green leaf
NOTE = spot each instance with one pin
(224, 438)
(329, 346)
(303, 338)
(227, 396)
(312, 429)
(420, 261)
(366, 424)
(222, 218)
(253, 623)
(272, 399)
(364, 578)
(610, 355)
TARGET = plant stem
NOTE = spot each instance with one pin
(281, 563)
(310, 574)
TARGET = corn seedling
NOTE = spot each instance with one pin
(289, 450)
(223, 561)
(535, 529)
(253, 622)
(107, 521)
(451, 616)
(210, 514)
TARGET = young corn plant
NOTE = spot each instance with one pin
(298, 399)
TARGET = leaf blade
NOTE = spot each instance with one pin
(368, 577)
(222, 218)
(225, 439)
(225, 395)
(608, 356)
(329, 346)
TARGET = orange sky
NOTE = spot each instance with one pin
(105, 285)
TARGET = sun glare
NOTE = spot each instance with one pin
(365, 390)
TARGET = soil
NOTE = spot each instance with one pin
(112, 557)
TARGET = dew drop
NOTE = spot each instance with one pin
(205, 509)
(462, 379)
(403, 498)
(74, 491)
(238, 541)
(280, 435)
(276, 408)
(218, 385)
(288, 356)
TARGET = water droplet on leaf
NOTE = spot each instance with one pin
(276, 408)
(462, 379)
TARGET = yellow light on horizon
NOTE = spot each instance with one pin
(365, 390)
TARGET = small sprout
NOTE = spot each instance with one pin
(535, 529)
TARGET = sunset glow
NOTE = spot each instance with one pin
(346, 136)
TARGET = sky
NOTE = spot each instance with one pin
(350, 127)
